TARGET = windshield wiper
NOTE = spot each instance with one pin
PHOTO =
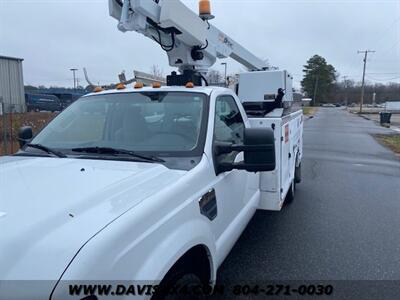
(114, 151)
(47, 149)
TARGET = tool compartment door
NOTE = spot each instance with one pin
(291, 146)
(287, 157)
(270, 185)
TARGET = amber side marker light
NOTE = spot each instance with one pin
(156, 85)
(120, 86)
(138, 85)
(98, 89)
(189, 85)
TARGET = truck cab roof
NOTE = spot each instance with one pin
(200, 89)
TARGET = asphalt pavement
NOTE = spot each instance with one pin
(344, 223)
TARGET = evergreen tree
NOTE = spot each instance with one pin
(319, 78)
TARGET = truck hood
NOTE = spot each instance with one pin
(49, 207)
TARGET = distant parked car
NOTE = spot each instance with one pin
(338, 105)
(328, 105)
(40, 102)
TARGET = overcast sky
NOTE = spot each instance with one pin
(53, 36)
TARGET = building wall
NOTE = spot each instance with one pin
(12, 84)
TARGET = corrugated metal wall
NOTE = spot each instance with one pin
(12, 84)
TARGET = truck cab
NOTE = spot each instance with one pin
(156, 183)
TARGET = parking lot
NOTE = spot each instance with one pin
(344, 222)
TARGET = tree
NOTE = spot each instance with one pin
(349, 92)
(214, 77)
(319, 78)
(156, 71)
(30, 88)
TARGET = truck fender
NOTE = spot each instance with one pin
(169, 250)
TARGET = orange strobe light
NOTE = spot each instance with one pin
(205, 10)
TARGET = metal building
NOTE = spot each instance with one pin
(12, 84)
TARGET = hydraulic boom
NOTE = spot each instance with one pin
(190, 41)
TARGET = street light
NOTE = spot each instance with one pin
(226, 66)
(73, 71)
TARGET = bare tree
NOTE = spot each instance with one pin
(215, 77)
(156, 71)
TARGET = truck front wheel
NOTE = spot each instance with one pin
(179, 285)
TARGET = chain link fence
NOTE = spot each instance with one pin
(9, 127)
(12, 119)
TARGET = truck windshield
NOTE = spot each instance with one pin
(156, 122)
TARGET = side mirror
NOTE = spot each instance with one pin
(25, 135)
(258, 148)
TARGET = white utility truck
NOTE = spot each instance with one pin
(148, 184)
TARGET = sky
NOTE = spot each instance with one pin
(53, 36)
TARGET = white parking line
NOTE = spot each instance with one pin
(397, 129)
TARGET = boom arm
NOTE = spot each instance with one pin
(191, 43)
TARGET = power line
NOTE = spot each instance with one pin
(382, 79)
(388, 50)
(383, 73)
(386, 31)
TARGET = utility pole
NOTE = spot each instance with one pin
(363, 78)
(345, 90)
(315, 90)
(73, 71)
(226, 67)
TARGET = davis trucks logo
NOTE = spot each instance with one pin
(225, 40)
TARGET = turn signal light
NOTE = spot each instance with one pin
(138, 85)
(98, 89)
(120, 86)
(189, 85)
(156, 85)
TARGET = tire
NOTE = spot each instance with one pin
(188, 281)
(297, 174)
(291, 193)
